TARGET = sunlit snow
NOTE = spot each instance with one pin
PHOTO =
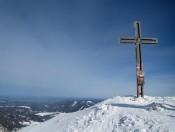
(119, 114)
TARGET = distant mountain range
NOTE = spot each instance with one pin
(18, 113)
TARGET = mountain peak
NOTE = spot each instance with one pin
(126, 113)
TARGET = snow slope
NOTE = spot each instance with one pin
(119, 114)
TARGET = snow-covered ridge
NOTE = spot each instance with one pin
(27, 107)
(74, 103)
(47, 113)
(118, 114)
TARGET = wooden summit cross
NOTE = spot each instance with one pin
(138, 41)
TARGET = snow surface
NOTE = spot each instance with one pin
(74, 103)
(27, 107)
(119, 114)
(89, 103)
(29, 123)
(46, 113)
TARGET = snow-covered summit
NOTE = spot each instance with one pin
(119, 114)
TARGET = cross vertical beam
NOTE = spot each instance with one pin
(138, 41)
(139, 59)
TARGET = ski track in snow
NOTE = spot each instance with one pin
(119, 114)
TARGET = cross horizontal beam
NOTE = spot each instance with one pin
(149, 40)
(130, 40)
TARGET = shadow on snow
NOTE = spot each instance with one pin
(152, 106)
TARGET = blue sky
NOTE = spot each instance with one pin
(70, 48)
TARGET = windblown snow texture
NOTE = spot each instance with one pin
(119, 114)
